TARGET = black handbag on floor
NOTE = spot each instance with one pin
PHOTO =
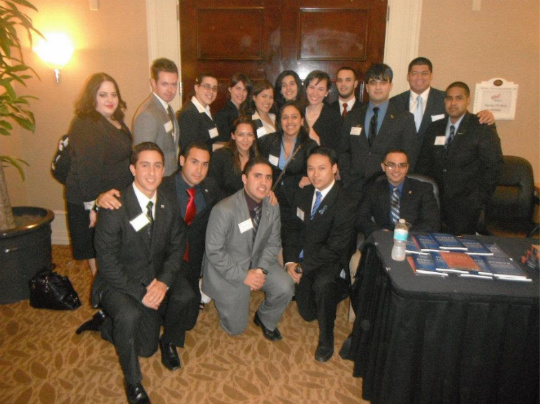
(49, 290)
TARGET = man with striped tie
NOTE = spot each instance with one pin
(318, 253)
(386, 201)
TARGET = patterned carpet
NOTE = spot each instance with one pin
(43, 361)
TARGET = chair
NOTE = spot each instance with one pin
(510, 211)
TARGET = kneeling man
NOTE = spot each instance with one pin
(139, 250)
(242, 245)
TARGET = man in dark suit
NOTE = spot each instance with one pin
(370, 132)
(139, 247)
(346, 83)
(425, 102)
(465, 158)
(195, 119)
(154, 120)
(386, 201)
(242, 247)
(322, 246)
(194, 212)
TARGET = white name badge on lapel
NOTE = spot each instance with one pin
(261, 132)
(273, 160)
(437, 117)
(300, 213)
(440, 140)
(356, 130)
(139, 222)
(245, 225)
(213, 133)
(168, 126)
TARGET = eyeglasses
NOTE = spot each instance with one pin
(208, 87)
(393, 166)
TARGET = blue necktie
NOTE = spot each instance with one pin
(318, 197)
(450, 138)
(394, 206)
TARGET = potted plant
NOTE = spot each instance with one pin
(25, 233)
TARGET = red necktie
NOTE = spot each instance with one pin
(191, 211)
(344, 114)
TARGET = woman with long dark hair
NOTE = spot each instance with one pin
(288, 88)
(261, 107)
(240, 89)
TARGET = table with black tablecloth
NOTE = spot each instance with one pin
(429, 339)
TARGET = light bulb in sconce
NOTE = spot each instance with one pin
(55, 50)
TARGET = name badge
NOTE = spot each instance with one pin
(139, 222)
(440, 140)
(213, 133)
(245, 225)
(300, 213)
(437, 117)
(168, 126)
(261, 132)
(356, 130)
(273, 160)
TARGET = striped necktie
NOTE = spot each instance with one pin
(394, 206)
(450, 138)
(256, 219)
(150, 217)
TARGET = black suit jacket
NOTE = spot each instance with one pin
(358, 162)
(196, 232)
(434, 108)
(195, 126)
(328, 127)
(418, 207)
(328, 239)
(467, 175)
(224, 119)
(126, 258)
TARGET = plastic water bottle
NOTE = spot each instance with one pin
(401, 231)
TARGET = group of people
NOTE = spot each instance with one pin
(267, 194)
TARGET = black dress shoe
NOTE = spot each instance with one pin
(324, 352)
(274, 335)
(136, 394)
(94, 324)
(169, 355)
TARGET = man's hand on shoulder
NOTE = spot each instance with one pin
(108, 200)
(255, 279)
(155, 293)
(485, 116)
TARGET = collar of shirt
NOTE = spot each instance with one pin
(323, 192)
(350, 104)
(143, 200)
(251, 203)
(399, 187)
(163, 103)
(267, 126)
(200, 108)
(456, 126)
(412, 100)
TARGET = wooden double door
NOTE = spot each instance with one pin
(261, 38)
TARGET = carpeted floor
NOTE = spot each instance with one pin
(43, 361)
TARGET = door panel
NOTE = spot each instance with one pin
(264, 37)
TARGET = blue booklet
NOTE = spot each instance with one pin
(448, 242)
(475, 247)
(423, 264)
(426, 243)
(505, 268)
(483, 265)
(413, 248)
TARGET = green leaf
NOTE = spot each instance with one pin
(14, 162)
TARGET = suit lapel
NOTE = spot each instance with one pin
(160, 220)
(134, 210)
(384, 199)
(326, 204)
(461, 131)
(264, 224)
(388, 120)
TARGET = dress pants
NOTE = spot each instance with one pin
(134, 328)
(317, 296)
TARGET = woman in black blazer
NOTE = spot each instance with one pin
(228, 162)
(100, 150)
(287, 151)
(323, 122)
(239, 93)
(260, 108)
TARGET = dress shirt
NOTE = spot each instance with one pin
(350, 104)
(399, 187)
(456, 126)
(323, 192)
(380, 116)
(251, 203)
(182, 187)
(413, 101)
(200, 108)
(143, 201)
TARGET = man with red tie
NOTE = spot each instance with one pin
(346, 83)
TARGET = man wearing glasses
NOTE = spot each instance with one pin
(195, 119)
(398, 197)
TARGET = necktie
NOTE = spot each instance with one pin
(318, 197)
(191, 211)
(344, 113)
(373, 126)
(418, 113)
(450, 138)
(172, 118)
(256, 219)
(394, 206)
(150, 217)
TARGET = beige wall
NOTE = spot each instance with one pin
(112, 39)
(500, 40)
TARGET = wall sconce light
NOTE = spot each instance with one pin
(55, 50)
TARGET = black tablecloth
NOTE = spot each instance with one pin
(428, 339)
